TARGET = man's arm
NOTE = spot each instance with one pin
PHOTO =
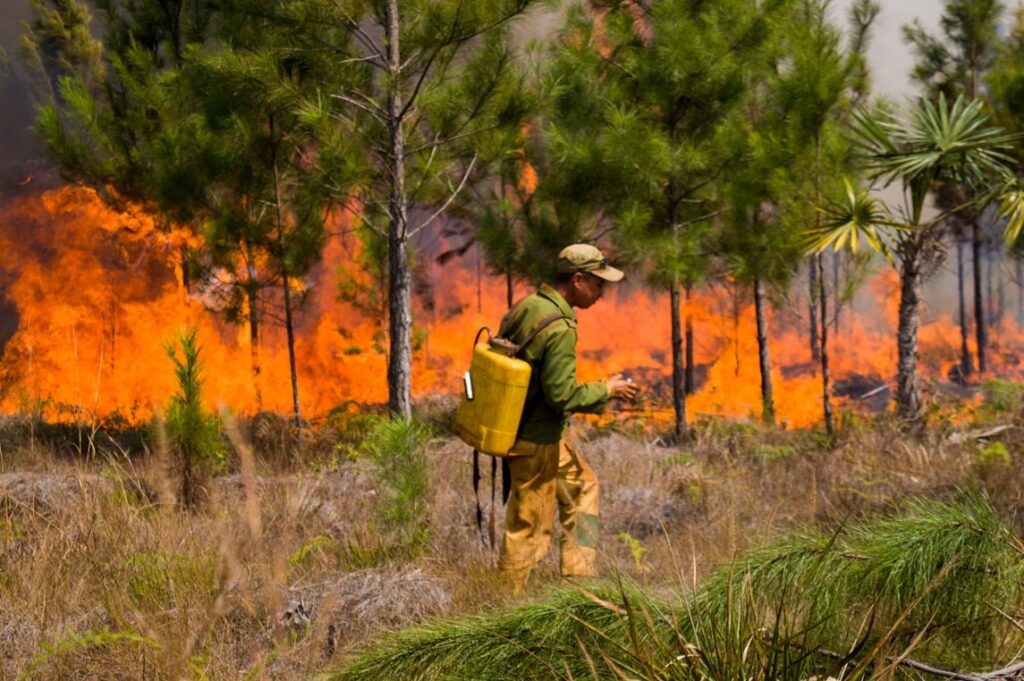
(558, 377)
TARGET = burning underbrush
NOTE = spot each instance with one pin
(295, 557)
(90, 297)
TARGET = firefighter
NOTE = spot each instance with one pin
(545, 469)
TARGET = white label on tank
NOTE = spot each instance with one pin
(467, 379)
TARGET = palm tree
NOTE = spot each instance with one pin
(921, 147)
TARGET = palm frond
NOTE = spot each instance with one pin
(858, 215)
(1011, 207)
(931, 141)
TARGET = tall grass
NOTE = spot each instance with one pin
(931, 580)
(97, 580)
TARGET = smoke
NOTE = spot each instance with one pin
(23, 163)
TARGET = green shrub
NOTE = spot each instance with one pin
(773, 452)
(193, 435)
(1001, 395)
(994, 454)
(396, 448)
(673, 460)
(156, 579)
(72, 647)
(319, 544)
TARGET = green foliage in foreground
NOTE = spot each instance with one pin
(396, 447)
(925, 584)
(193, 434)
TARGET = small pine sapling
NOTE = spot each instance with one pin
(193, 434)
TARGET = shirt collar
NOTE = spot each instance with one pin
(555, 297)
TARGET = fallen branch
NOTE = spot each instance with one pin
(1009, 672)
(877, 390)
(990, 432)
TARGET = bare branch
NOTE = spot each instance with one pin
(451, 198)
(355, 60)
(426, 172)
(376, 111)
(347, 206)
(419, 84)
(367, 41)
(1006, 673)
(436, 142)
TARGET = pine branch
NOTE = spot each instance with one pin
(372, 108)
(451, 198)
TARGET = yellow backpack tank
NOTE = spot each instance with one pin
(492, 400)
(494, 392)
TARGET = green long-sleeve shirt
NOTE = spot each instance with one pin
(553, 393)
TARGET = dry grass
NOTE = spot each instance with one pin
(280, 572)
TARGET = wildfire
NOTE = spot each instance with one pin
(99, 294)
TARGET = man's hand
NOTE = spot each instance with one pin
(620, 388)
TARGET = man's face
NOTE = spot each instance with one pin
(588, 289)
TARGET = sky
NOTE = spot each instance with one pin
(889, 57)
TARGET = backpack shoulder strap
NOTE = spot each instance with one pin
(542, 324)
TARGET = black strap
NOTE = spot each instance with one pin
(476, 492)
(491, 524)
(540, 326)
(506, 481)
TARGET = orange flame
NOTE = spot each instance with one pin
(99, 295)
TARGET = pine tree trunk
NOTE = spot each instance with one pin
(1000, 290)
(812, 309)
(990, 308)
(836, 267)
(966, 363)
(979, 302)
(678, 371)
(290, 333)
(1018, 267)
(767, 402)
(479, 281)
(400, 284)
(826, 400)
(289, 325)
(908, 392)
(186, 278)
(254, 346)
(689, 383)
(736, 328)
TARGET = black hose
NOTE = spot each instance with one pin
(478, 333)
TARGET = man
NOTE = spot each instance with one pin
(545, 468)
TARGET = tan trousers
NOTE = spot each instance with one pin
(541, 476)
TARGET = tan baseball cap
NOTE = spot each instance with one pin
(587, 258)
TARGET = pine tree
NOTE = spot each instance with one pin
(955, 64)
(266, 202)
(790, 151)
(198, 116)
(641, 93)
(824, 83)
(421, 85)
(1005, 87)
